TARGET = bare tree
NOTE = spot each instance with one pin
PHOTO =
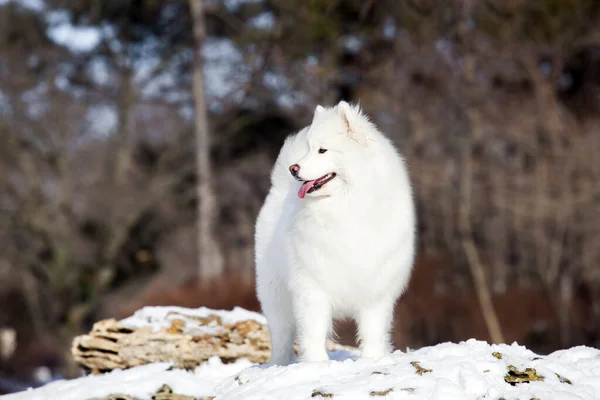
(210, 261)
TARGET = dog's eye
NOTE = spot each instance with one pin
(322, 150)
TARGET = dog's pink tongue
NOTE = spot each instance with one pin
(304, 188)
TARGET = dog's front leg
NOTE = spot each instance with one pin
(374, 324)
(312, 310)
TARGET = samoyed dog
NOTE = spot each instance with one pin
(335, 237)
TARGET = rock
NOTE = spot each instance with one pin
(186, 342)
(515, 376)
(164, 393)
(420, 370)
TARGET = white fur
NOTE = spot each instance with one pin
(343, 251)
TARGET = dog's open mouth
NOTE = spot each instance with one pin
(311, 186)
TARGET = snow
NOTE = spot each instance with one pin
(159, 318)
(467, 370)
(33, 98)
(140, 382)
(5, 106)
(234, 5)
(389, 28)
(34, 5)
(78, 39)
(99, 71)
(449, 371)
(225, 73)
(101, 120)
(286, 97)
(264, 21)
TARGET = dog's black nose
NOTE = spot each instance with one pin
(294, 170)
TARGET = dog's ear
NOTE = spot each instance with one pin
(357, 123)
(318, 111)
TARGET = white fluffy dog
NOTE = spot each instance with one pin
(335, 237)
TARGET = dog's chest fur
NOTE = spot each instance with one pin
(343, 253)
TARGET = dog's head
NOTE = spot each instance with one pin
(334, 137)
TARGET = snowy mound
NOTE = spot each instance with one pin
(468, 370)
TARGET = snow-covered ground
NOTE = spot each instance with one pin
(140, 382)
(448, 371)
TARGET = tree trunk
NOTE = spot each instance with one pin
(478, 269)
(564, 318)
(210, 262)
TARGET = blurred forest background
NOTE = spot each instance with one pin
(110, 180)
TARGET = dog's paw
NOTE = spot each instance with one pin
(315, 356)
(374, 352)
